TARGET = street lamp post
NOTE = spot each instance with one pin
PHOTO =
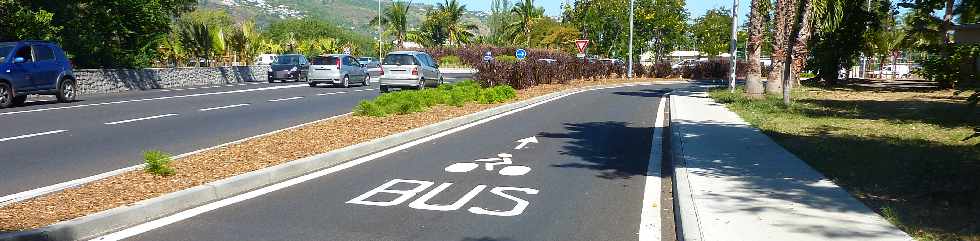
(629, 68)
(734, 44)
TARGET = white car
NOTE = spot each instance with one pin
(265, 59)
(409, 69)
(338, 70)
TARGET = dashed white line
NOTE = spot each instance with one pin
(166, 90)
(31, 135)
(332, 93)
(285, 99)
(157, 98)
(223, 107)
(139, 119)
(229, 85)
(192, 88)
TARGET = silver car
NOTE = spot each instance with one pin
(337, 69)
(409, 69)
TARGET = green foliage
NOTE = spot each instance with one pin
(412, 101)
(712, 32)
(663, 21)
(394, 18)
(157, 163)
(18, 22)
(450, 60)
(294, 32)
(506, 59)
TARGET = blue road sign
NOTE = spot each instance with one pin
(521, 54)
(488, 56)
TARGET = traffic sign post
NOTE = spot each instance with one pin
(347, 50)
(520, 54)
(488, 56)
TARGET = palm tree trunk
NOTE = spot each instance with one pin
(800, 50)
(785, 14)
(753, 82)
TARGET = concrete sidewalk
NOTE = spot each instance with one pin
(734, 183)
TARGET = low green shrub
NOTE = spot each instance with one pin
(411, 101)
(157, 163)
(451, 61)
(506, 59)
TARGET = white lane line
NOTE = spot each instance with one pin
(650, 225)
(241, 84)
(178, 89)
(332, 93)
(285, 99)
(165, 90)
(223, 107)
(229, 85)
(361, 90)
(157, 98)
(139, 119)
(177, 217)
(31, 135)
(17, 197)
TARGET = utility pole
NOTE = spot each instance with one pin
(734, 44)
(380, 38)
(629, 67)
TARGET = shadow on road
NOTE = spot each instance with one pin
(615, 149)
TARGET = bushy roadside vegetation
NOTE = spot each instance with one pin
(411, 101)
(505, 69)
(901, 153)
(158, 163)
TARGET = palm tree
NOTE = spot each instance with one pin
(527, 14)
(757, 19)
(196, 38)
(395, 18)
(459, 32)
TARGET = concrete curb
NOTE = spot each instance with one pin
(686, 213)
(119, 218)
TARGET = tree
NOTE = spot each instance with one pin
(758, 16)
(292, 32)
(457, 31)
(18, 22)
(712, 32)
(197, 39)
(526, 15)
(395, 19)
(664, 22)
(500, 17)
(833, 46)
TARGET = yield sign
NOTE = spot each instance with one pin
(581, 44)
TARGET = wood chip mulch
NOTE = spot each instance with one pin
(251, 155)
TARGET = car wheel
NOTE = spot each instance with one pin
(312, 84)
(421, 84)
(272, 81)
(367, 80)
(384, 89)
(346, 83)
(19, 100)
(6, 96)
(66, 91)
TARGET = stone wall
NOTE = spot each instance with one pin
(106, 81)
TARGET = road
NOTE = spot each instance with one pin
(582, 180)
(46, 143)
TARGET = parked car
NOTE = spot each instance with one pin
(293, 67)
(337, 69)
(409, 69)
(893, 71)
(612, 61)
(684, 63)
(548, 61)
(265, 59)
(34, 67)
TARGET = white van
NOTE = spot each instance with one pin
(265, 59)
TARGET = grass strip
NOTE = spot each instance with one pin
(413, 101)
(902, 153)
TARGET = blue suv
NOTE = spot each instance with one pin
(34, 67)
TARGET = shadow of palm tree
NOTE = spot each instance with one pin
(615, 149)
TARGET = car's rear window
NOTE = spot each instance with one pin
(399, 59)
(328, 60)
(288, 59)
(4, 51)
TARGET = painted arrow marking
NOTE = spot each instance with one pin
(525, 141)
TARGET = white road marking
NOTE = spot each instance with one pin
(192, 88)
(526, 141)
(177, 217)
(157, 98)
(165, 90)
(333, 93)
(139, 119)
(650, 225)
(31, 135)
(223, 107)
(285, 99)
(242, 84)
(229, 85)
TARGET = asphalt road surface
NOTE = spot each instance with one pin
(582, 180)
(46, 143)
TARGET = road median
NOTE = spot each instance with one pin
(136, 197)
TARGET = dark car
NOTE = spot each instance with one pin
(34, 67)
(292, 67)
